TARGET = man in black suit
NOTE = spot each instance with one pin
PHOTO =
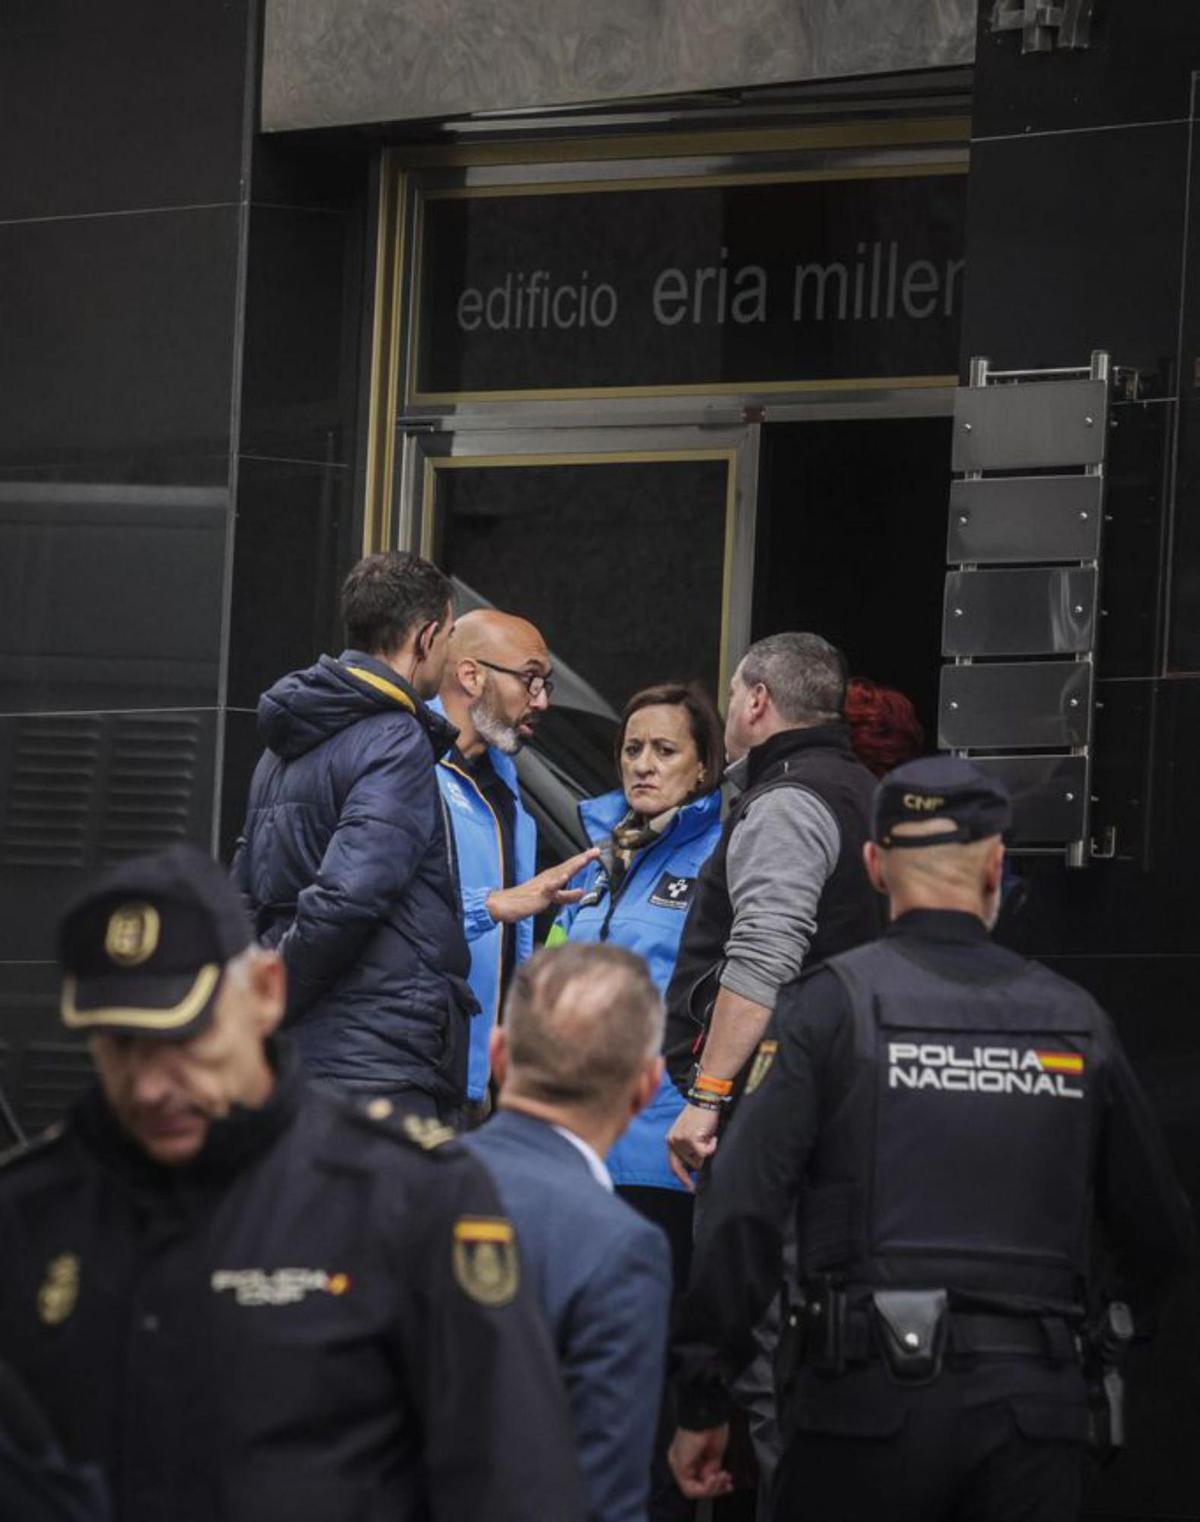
(577, 1058)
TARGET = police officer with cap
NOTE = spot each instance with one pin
(245, 1301)
(948, 1122)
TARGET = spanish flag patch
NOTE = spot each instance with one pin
(486, 1263)
(1061, 1062)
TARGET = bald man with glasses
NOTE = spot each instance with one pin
(496, 686)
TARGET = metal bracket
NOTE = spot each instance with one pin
(1129, 385)
(1038, 22)
(1104, 845)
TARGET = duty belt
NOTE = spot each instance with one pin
(912, 1332)
(971, 1333)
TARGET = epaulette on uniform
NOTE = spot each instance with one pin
(36, 1146)
(422, 1131)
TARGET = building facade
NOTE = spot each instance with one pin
(646, 320)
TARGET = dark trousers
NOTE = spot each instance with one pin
(754, 1388)
(671, 1211)
(973, 1465)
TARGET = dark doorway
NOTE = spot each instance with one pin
(851, 543)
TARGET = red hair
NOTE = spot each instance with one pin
(884, 728)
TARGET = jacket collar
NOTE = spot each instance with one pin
(599, 815)
(536, 1134)
(504, 766)
(773, 754)
(231, 1144)
(951, 925)
(379, 677)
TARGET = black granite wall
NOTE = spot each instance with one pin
(178, 370)
(296, 527)
(1082, 229)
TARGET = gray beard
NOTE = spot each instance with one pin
(492, 728)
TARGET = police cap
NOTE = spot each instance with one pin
(943, 788)
(142, 950)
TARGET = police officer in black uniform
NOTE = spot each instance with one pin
(245, 1301)
(948, 1121)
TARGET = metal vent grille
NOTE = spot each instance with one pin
(84, 790)
(151, 777)
(50, 791)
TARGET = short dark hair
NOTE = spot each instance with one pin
(582, 1021)
(703, 720)
(385, 597)
(805, 675)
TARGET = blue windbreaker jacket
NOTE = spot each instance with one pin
(647, 917)
(346, 867)
(478, 851)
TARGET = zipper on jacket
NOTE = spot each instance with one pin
(634, 866)
(474, 786)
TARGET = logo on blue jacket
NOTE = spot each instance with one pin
(671, 892)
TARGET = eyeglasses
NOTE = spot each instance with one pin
(535, 682)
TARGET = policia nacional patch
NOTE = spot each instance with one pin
(486, 1264)
(761, 1066)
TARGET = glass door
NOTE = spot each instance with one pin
(632, 550)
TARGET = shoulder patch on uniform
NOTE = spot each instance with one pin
(382, 1117)
(485, 1258)
(672, 892)
(59, 1291)
(425, 1131)
(34, 1147)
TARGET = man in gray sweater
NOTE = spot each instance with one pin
(784, 889)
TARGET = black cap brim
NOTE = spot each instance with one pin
(170, 1008)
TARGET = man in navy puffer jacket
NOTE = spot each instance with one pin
(343, 856)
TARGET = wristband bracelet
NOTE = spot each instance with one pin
(709, 1093)
(704, 1102)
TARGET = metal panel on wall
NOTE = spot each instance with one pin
(1039, 610)
(1049, 795)
(1046, 425)
(1027, 705)
(1024, 580)
(999, 519)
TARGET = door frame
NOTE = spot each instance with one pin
(423, 453)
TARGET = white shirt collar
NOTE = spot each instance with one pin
(590, 1156)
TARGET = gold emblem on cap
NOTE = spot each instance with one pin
(486, 1263)
(60, 1289)
(922, 801)
(132, 934)
(379, 1109)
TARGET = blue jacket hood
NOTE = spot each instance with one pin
(304, 708)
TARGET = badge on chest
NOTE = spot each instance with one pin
(671, 892)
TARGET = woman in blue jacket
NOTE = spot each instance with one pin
(654, 835)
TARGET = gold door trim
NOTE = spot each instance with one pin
(722, 388)
(907, 132)
(386, 349)
(909, 171)
(436, 463)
